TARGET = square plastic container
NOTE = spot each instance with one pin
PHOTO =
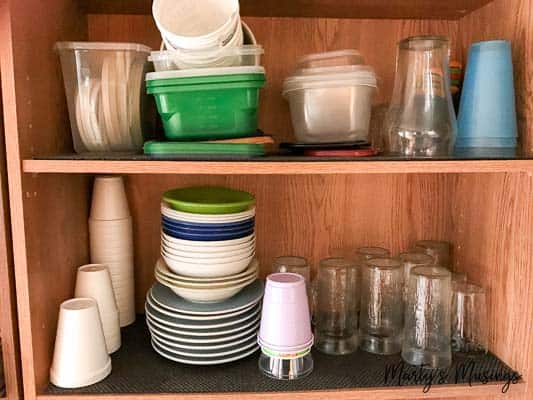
(331, 59)
(169, 60)
(103, 86)
(331, 104)
(205, 104)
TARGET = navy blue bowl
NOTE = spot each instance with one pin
(206, 237)
(186, 226)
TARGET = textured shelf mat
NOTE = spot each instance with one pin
(138, 369)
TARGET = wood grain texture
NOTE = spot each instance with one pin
(285, 40)
(273, 167)
(416, 9)
(511, 20)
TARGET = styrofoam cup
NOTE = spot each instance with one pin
(94, 281)
(109, 201)
(80, 353)
(285, 322)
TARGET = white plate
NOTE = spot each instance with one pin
(209, 244)
(206, 218)
(203, 332)
(215, 354)
(224, 345)
(207, 295)
(196, 258)
(163, 317)
(200, 360)
(170, 282)
(162, 268)
(166, 298)
(208, 251)
(207, 270)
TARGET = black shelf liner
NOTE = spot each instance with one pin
(138, 369)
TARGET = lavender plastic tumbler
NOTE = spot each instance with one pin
(285, 334)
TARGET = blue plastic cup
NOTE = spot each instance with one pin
(487, 113)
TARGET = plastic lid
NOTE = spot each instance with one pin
(102, 46)
(246, 50)
(331, 77)
(331, 58)
(188, 73)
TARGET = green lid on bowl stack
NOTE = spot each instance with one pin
(209, 200)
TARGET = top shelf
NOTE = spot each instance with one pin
(386, 9)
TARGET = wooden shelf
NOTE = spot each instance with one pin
(139, 371)
(417, 9)
(272, 166)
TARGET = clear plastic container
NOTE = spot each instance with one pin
(331, 59)
(247, 55)
(331, 104)
(104, 90)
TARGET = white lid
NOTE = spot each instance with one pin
(319, 58)
(165, 55)
(102, 46)
(187, 73)
(331, 77)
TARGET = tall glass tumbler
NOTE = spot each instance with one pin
(411, 260)
(335, 329)
(426, 338)
(362, 255)
(296, 265)
(469, 318)
(381, 316)
(421, 119)
(440, 250)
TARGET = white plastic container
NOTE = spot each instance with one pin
(104, 90)
(331, 104)
(331, 59)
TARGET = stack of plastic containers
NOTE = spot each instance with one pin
(330, 98)
(206, 83)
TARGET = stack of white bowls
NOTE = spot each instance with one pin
(111, 241)
(199, 32)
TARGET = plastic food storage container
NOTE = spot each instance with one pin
(103, 86)
(168, 60)
(208, 103)
(331, 104)
(331, 59)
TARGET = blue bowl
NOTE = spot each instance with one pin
(249, 223)
(205, 231)
(207, 237)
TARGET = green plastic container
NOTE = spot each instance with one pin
(160, 149)
(208, 103)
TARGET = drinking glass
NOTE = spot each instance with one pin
(426, 338)
(381, 315)
(469, 318)
(438, 249)
(296, 265)
(335, 329)
(362, 255)
(421, 119)
(411, 260)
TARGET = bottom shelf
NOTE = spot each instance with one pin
(137, 369)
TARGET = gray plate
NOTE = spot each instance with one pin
(206, 346)
(167, 298)
(230, 351)
(180, 323)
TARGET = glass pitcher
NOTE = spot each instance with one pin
(421, 120)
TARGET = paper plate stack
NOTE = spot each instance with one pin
(205, 306)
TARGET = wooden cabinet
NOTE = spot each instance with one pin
(309, 208)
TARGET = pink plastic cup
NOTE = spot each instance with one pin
(285, 322)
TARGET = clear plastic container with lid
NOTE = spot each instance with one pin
(331, 104)
(331, 59)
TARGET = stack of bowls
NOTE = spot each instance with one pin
(207, 267)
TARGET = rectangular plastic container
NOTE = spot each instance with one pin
(103, 86)
(168, 149)
(205, 104)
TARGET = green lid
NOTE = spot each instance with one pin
(209, 200)
(184, 148)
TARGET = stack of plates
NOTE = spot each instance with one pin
(204, 334)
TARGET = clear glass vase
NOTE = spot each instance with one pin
(421, 119)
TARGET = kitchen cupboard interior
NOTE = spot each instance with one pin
(313, 209)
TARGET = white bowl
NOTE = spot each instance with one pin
(202, 244)
(206, 249)
(213, 256)
(206, 218)
(163, 270)
(203, 261)
(211, 270)
(203, 285)
(210, 295)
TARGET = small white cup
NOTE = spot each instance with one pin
(80, 353)
(94, 281)
(109, 200)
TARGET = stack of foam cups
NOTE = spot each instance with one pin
(285, 334)
(111, 241)
(94, 281)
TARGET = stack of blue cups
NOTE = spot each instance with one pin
(487, 124)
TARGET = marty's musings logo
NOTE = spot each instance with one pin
(402, 374)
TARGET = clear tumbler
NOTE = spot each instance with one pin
(335, 328)
(469, 318)
(296, 265)
(411, 260)
(421, 119)
(440, 250)
(362, 255)
(426, 340)
(381, 314)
